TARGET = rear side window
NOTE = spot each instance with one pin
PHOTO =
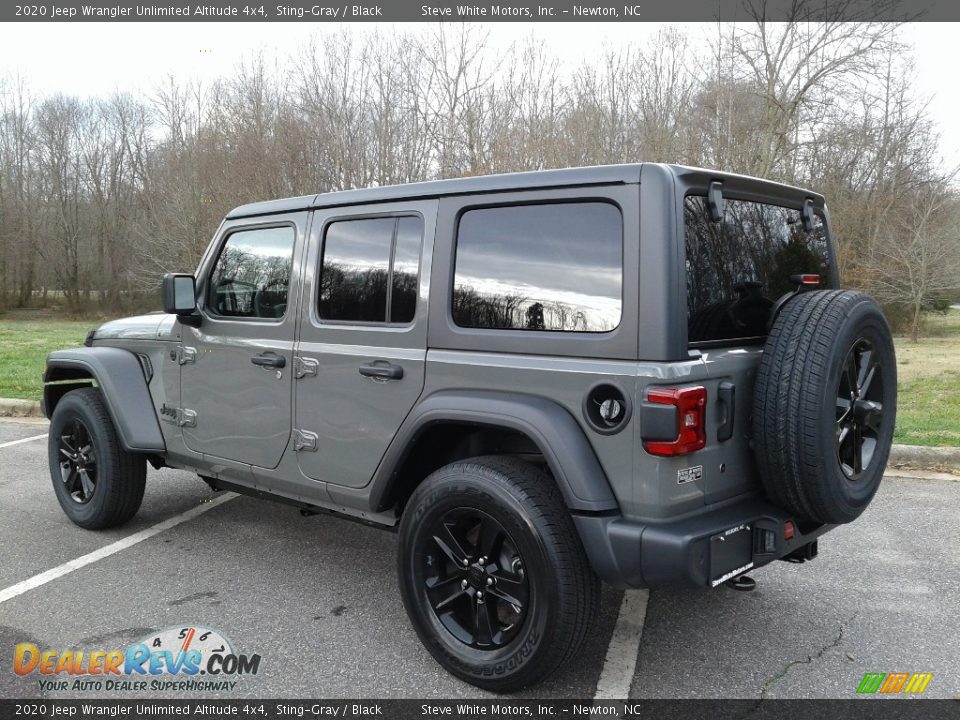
(738, 268)
(540, 267)
(251, 278)
(370, 270)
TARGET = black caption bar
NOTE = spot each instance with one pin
(865, 709)
(515, 11)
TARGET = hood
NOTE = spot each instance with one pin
(154, 326)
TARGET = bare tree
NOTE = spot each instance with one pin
(917, 259)
(459, 72)
(99, 196)
(798, 67)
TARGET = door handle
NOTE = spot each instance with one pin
(381, 370)
(269, 359)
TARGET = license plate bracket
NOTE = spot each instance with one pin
(731, 553)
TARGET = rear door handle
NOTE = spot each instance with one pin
(269, 359)
(381, 370)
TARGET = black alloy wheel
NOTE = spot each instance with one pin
(475, 580)
(78, 462)
(859, 408)
(492, 572)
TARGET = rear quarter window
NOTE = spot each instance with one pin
(738, 268)
(553, 267)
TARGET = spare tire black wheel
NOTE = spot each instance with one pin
(825, 403)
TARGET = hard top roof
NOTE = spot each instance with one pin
(540, 179)
(597, 175)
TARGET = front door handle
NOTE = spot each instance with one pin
(269, 359)
(381, 370)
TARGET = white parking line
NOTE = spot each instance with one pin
(68, 567)
(621, 660)
(23, 440)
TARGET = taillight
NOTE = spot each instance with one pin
(806, 279)
(691, 403)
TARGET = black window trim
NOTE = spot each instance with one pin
(585, 199)
(204, 306)
(318, 319)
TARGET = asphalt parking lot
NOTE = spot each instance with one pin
(317, 598)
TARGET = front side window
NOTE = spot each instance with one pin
(739, 267)
(370, 271)
(555, 266)
(251, 278)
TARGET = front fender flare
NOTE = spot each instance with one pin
(124, 388)
(551, 427)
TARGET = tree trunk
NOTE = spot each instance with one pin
(915, 323)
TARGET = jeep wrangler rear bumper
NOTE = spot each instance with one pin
(704, 549)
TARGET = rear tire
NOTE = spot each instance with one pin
(825, 404)
(97, 482)
(492, 573)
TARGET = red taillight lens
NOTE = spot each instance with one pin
(691, 403)
(808, 279)
(788, 530)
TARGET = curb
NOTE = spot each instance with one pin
(910, 474)
(19, 408)
(924, 457)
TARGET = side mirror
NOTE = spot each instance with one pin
(179, 293)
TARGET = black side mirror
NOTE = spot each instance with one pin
(179, 293)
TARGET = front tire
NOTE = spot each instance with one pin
(97, 482)
(492, 573)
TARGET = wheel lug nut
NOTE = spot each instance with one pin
(463, 584)
(466, 562)
(482, 560)
(489, 581)
(479, 596)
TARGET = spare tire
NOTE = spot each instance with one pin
(824, 405)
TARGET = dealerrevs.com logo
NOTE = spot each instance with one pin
(178, 659)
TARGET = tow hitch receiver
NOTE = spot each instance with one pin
(802, 554)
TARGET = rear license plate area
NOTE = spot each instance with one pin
(731, 553)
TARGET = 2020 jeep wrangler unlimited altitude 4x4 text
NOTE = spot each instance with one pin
(642, 374)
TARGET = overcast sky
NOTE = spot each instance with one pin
(97, 58)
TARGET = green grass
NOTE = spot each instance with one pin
(928, 410)
(23, 349)
(929, 371)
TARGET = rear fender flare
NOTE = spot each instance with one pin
(552, 428)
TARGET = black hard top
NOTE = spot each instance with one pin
(541, 179)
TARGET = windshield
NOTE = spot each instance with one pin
(738, 268)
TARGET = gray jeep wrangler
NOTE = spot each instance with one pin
(641, 374)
